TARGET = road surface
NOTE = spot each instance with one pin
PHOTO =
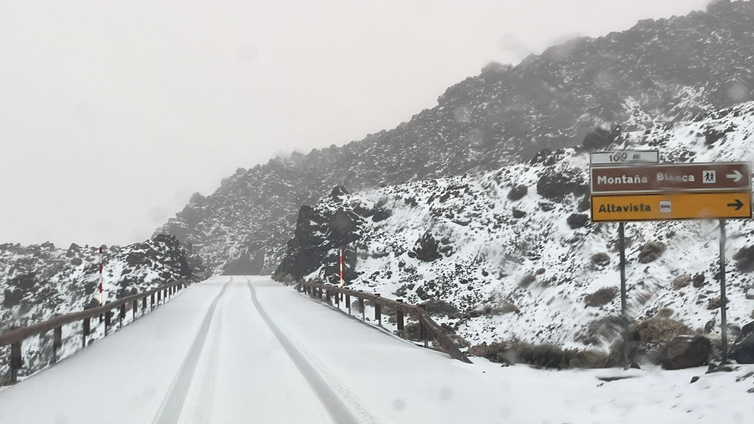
(248, 350)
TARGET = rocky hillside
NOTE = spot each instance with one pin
(40, 281)
(512, 253)
(657, 72)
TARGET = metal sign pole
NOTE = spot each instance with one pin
(723, 300)
(622, 244)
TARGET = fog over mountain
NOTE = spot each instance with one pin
(655, 73)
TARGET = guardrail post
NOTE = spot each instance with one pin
(363, 309)
(348, 303)
(16, 361)
(151, 304)
(122, 314)
(159, 297)
(134, 307)
(378, 311)
(143, 305)
(57, 342)
(422, 327)
(107, 321)
(400, 320)
(85, 333)
(337, 299)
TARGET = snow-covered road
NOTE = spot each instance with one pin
(248, 350)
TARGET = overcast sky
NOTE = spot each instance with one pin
(112, 113)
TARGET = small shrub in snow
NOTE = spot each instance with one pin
(665, 313)
(651, 251)
(459, 341)
(714, 303)
(600, 260)
(542, 355)
(412, 331)
(681, 281)
(601, 297)
(441, 308)
(658, 330)
(527, 280)
(386, 310)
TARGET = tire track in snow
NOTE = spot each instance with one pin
(206, 393)
(337, 410)
(172, 405)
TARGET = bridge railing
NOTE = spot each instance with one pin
(428, 327)
(149, 300)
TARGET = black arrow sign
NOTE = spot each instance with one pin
(738, 205)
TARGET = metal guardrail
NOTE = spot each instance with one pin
(428, 327)
(16, 336)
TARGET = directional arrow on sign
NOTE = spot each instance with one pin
(735, 176)
(738, 205)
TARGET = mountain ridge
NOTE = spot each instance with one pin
(658, 71)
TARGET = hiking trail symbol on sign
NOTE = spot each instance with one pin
(671, 177)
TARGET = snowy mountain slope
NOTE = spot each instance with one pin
(517, 255)
(656, 72)
(40, 281)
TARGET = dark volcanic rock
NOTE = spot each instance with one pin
(678, 67)
(743, 348)
(601, 138)
(244, 265)
(555, 187)
(577, 220)
(651, 251)
(686, 352)
(517, 193)
(745, 259)
(317, 237)
(426, 248)
(518, 213)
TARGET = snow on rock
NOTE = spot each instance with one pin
(519, 239)
(656, 72)
(39, 282)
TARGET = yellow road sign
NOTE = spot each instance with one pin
(661, 207)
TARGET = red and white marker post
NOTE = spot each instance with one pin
(101, 279)
(341, 266)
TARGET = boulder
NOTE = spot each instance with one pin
(745, 259)
(577, 220)
(651, 251)
(601, 138)
(338, 192)
(743, 348)
(601, 259)
(517, 192)
(686, 352)
(426, 248)
(555, 186)
(518, 213)
(73, 250)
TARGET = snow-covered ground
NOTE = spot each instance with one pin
(260, 352)
(525, 255)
